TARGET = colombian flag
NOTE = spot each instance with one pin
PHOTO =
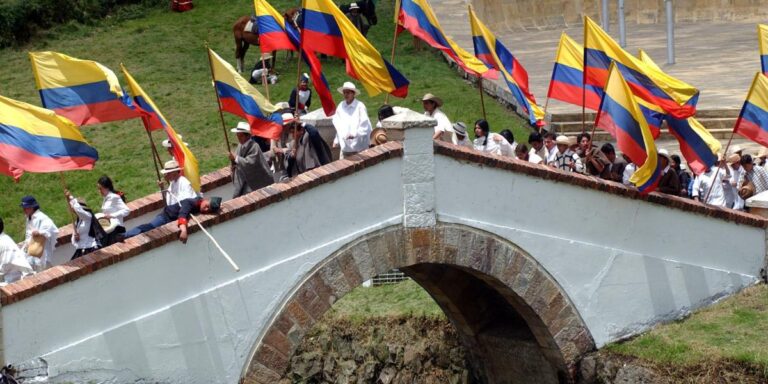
(620, 115)
(645, 58)
(698, 146)
(239, 97)
(35, 139)
(496, 56)
(568, 76)
(152, 115)
(272, 36)
(83, 91)
(648, 83)
(417, 17)
(762, 38)
(327, 30)
(315, 72)
(8, 170)
(753, 119)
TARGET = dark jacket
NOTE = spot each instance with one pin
(670, 183)
(292, 99)
(183, 209)
(311, 152)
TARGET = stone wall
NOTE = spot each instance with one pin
(547, 14)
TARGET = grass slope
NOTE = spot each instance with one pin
(165, 52)
(403, 299)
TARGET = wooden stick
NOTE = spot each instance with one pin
(546, 105)
(218, 101)
(264, 74)
(714, 179)
(69, 208)
(216, 243)
(392, 58)
(482, 101)
(298, 84)
(155, 155)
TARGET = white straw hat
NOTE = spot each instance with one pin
(170, 166)
(242, 127)
(348, 86)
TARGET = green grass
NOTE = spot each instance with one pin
(396, 300)
(165, 52)
(735, 329)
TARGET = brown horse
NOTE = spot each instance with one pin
(243, 40)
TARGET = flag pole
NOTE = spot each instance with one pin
(298, 77)
(218, 101)
(482, 101)
(546, 105)
(155, 155)
(392, 58)
(264, 73)
(69, 208)
(584, 83)
(719, 166)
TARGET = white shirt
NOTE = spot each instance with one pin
(629, 170)
(502, 148)
(303, 97)
(352, 120)
(542, 154)
(732, 187)
(115, 207)
(552, 155)
(13, 263)
(443, 124)
(180, 189)
(534, 158)
(82, 226)
(42, 223)
(707, 180)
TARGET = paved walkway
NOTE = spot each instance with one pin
(719, 58)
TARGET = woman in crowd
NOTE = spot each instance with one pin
(113, 207)
(489, 142)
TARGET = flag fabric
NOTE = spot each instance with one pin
(762, 38)
(238, 97)
(35, 139)
(83, 91)
(417, 17)
(568, 76)
(620, 114)
(325, 29)
(315, 72)
(271, 25)
(152, 115)
(697, 145)
(495, 55)
(9, 170)
(753, 119)
(645, 58)
(646, 82)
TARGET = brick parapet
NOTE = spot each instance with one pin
(596, 183)
(231, 209)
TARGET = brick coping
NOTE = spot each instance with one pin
(230, 209)
(591, 182)
(154, 201)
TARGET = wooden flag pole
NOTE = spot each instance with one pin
(155, 155)
(298, 81)
(69, 208)
(218, 101)
(392, 58)
(264, 74)
(584, 83)
(482, 101)
(546, 105)
(719, 166)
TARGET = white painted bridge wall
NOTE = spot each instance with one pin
(180, 314)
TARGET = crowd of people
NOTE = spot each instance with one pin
(257, 162)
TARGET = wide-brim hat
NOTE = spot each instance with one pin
(430, 97)
(348, 86)
(108, 225)
(460, 128)
(379, 136)
(242, 127)
(287, 118)
(170, 166)
(167, 142)
(562, 140)
(664, 153)
(763, 152)
(353, 6)
(733, 158)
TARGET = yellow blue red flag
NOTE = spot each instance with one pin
(271, 24)
(35, 139)
(240, 98)
(568, 76)
(495, 55)
(150, 113)
(83, 91)
(8, 170)
(645, 58)
(753, 119)
(327, 30)
(675, 97)
(762, 38)
(620, 114)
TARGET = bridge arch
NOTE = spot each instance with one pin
(501, 301)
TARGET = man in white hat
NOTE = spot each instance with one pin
(356, 18)
(262, 69)
(168, 145)
(353, 128)
(460, 135)
(443, 129)
(669, 183)
(179, 188)
(308, 150)
(733, 173)
(566, 159)
(250, 170)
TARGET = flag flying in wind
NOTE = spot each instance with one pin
(327, 30)
(239, 97)
(417, 17)
(271, 25)
(83, 91)
(753, 119)
(35, 139)
(762, 38)
(645, 58)
(496, 56)
(315, 71)
(568, 76)
(697, 145)
(620, 114)
(152, 115)
(648, 83)
(8, 170)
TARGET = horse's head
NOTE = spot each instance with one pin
(369, 11)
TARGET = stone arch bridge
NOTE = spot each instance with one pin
(533, 266)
